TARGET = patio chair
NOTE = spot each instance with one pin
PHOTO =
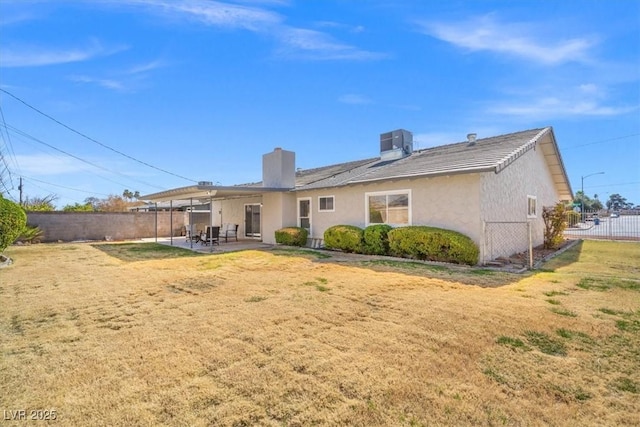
(211, 236)
(229, 230)
(191, 232)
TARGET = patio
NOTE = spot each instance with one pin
(231, 246)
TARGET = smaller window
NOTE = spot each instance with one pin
(325, 204)
(531, 206)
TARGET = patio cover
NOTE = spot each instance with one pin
(207, 192)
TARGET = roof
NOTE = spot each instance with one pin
(492, 154)
(486, 155)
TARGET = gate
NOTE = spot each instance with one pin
(504, 239)
(624, 225)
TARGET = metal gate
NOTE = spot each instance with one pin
(603, 225)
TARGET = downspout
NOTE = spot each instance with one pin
(171, 221)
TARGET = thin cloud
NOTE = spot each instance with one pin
(143, 68)
(522, 40)
(294, 42)
(311, 44)
(354, 99)
(55, 164)
(106, 83)
(211, 12)
(554, 107)
(32, 56)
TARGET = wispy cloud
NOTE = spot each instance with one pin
(354, 99)
(486, 33)
(106, 83)
(311, 44)
(37, 56)
(55, 164)
(294, 42)
(586, 99)
(210, 12)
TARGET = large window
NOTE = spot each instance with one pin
(392, 207)
(325, 204)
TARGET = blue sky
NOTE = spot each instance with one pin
(199, 90)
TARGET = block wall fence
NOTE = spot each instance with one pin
(71, 226)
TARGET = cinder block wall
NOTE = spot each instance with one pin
(70, 226)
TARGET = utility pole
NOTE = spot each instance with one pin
(20, 189)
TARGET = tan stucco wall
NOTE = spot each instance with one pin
(449, 202)
(233, 211)
(278, 211)
(505, 197)
(70, 226)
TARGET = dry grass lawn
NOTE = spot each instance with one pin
(136, 334)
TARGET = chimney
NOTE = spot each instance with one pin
(471, 138)
(279, 169)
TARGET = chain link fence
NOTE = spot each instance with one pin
(507, 239)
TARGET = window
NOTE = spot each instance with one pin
(325, 204)
(388, 207)
(531, 206)
(304, 214)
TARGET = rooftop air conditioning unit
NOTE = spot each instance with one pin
(396, 144)
(203, 183)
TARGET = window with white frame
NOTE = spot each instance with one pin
(388, 207)
(532, 202)
(326, 204)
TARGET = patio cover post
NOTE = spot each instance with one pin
(191, 223)
(156, 224)
(171, 221)
(211, 224)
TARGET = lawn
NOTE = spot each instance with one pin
(137, 334)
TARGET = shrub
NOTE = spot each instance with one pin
(554, 225)
(347, 238)
(31, 234)
(375, 239)
(13, 219)
(433, 244)
(292, 236)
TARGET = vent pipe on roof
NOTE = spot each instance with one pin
(471, 138)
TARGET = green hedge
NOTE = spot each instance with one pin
(375, 239)
(292, 236)
(347, 238)
(432, 244)
(13, 220)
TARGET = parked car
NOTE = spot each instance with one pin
(615, 214)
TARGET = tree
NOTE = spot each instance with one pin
(617, 202)
(77, 207)
(13, 220)
(93, 201)
(127, 194)
(113, 203)
(590, 204)
(41, 204)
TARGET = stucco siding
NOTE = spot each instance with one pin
(504, 199)
(450, 202)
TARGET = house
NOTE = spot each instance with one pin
(491, 189)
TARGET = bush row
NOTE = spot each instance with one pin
(416, 242)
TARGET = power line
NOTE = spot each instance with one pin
(66, 188)
(93, 140)
(26, 135)
(602, 141)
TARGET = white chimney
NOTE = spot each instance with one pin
(279, 169)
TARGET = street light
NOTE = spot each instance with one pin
(582, 189)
